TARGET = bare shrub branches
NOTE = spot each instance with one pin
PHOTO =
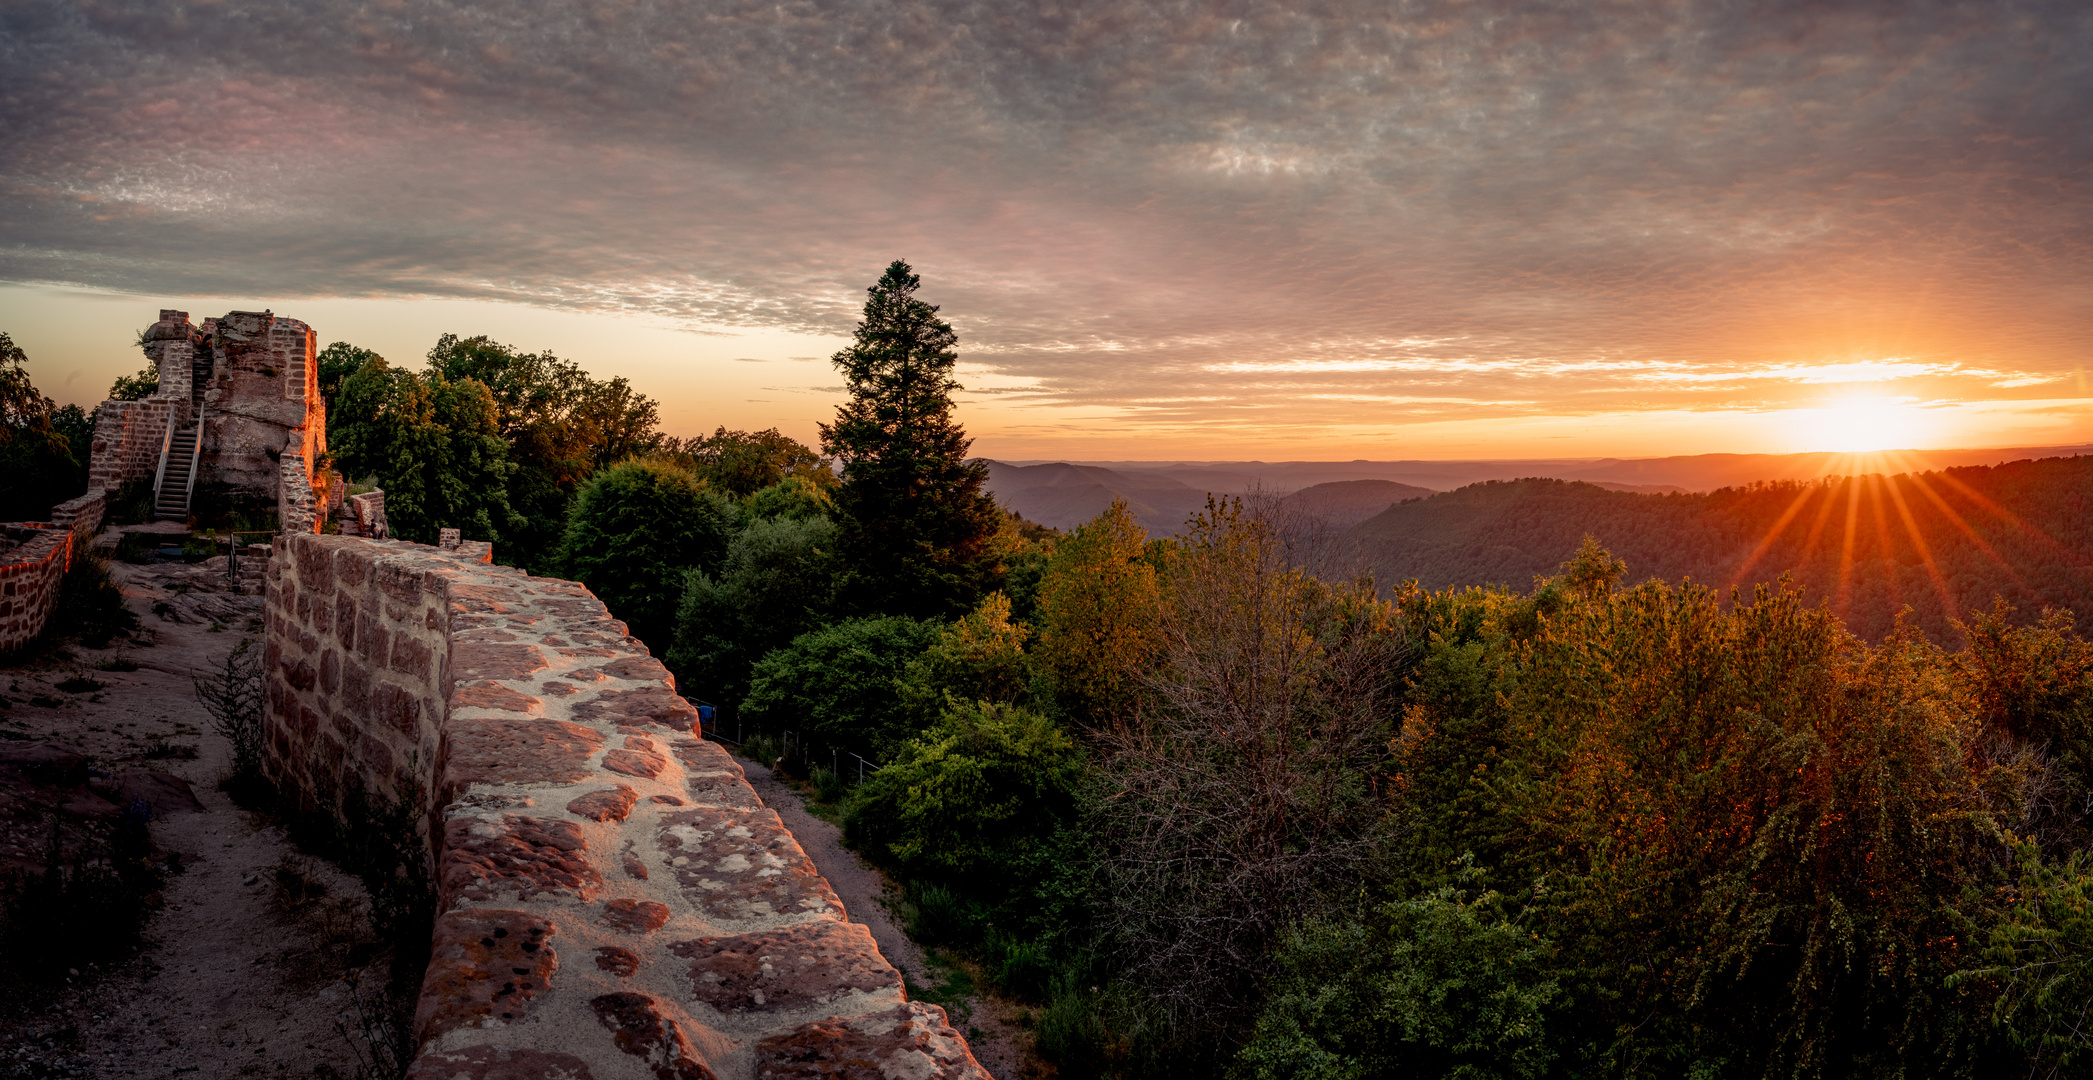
(1244, 787)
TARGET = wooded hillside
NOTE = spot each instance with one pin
(1944, 543)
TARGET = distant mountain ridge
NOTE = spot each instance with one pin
(1942, 542)
(1162, 494)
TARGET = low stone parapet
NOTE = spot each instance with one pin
(613, 899)
(83, 515)
(32, 570)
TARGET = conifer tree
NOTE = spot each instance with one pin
(917, 529)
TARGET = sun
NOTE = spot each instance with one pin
(1861, 425)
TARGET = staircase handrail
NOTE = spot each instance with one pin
(166, 442)
(195, 458)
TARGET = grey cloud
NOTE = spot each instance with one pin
(1118, 199)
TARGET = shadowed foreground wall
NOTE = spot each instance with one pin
(614, 900)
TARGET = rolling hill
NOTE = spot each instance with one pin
(1941, 542)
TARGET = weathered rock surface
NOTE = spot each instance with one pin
(907, 1042)
(571, 812)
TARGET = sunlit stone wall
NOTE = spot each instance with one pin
(614, 899)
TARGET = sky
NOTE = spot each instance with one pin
(1324, 230)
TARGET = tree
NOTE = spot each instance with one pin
(1097, 607)
(560, 426)
(776, 582)
(37, 464)
(839, 682)
(1443, 985)
(136, 387)
(1247, 777)
(433, 445)
(745, 462)
(336, 363)
(793, 497)
(980, 658)
(917, 526)
(634, 533)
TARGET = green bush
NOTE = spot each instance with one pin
(635, 531)
(976, 800)
(1441, 985)
(838, 682)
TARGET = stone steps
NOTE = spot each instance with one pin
(171, 502)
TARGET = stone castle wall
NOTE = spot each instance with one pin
(127, 439)
(614, 899)
(32, 567)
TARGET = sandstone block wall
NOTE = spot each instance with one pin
(297, 508)
(128, 436)
(83, 515)
(263, 399)
(32, 567)
(614, 900)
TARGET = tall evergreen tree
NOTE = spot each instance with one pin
(918, 531)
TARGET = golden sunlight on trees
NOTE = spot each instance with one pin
(1097, 609)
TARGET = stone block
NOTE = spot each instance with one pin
(493, 695)
(656, 706)
(911, 1040)
(640, 758)
(743, 864)
(620, 962)
(484, 964)
(514, 751)
(607, 804)
(636, 916)
(640, 1027)
(797, 967)
(478, 660)
(494, 858)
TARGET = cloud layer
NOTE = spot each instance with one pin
(1188, 214)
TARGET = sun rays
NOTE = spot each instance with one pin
(1873, 520)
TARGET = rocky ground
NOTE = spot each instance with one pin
(242, 972)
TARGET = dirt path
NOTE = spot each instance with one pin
(998, 1043)
(228, 983)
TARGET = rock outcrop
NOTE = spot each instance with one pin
(614, 899)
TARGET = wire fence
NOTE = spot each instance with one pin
(710, 727)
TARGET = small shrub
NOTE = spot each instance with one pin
(293, 883)
(1022, 969)
(80, 684)
(829, 787)
(161, 750)
(1071, 1031)
(119, 662)
(937, 915)
(90, 606)
(233, 697)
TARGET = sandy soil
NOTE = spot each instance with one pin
(230, 983)
(990, 1024)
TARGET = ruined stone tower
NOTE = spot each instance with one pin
(237, 411)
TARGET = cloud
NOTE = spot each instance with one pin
(1343, 208)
